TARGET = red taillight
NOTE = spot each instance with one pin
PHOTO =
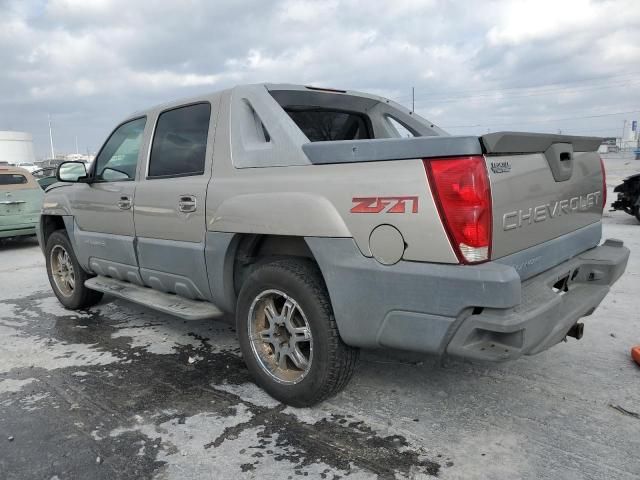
(461, 189)
(604, 185)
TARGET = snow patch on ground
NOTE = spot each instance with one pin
(10, 386)
(166, 334)
(186, 443)
(308, 415)
(52, 306)
(20, 350)
(250, 393)
(189, 450)
(153, 340)
(31, 402)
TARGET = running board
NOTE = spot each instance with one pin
(163, 302)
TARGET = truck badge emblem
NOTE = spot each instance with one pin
(500, 167)
(384, 204)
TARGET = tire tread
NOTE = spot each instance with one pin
(85, 297)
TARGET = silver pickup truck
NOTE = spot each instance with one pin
(329, 221)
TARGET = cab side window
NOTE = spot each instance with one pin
(118, 159)
(180, 142)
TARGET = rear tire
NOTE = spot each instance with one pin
(288, 335)
(636, 212)
(66, 276)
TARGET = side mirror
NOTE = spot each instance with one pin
(71, 172)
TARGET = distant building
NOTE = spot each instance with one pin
(16, 148)
(63, 157)
(630, 135)
(609, 145)
(78, 157)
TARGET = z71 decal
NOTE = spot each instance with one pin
(385, 204)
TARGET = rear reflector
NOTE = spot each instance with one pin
(604, 184)
(460, 187)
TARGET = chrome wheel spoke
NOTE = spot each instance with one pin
(270, 312)
(288, 311)
(280, 336)
(298, 358)
(301, 334)
(265, 335)
(281, 357)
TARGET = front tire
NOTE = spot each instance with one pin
(66, 276)
(288, 335)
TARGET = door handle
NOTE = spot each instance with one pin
(187, 203)
(124, 203)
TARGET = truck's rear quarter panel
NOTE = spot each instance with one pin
(317, 201)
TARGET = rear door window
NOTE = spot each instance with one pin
(12, 179)
(322, 124)
(180, 142)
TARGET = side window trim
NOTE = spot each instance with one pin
(391, 118)
(153, 135)
(94, 165)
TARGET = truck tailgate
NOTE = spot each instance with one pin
(542, 186)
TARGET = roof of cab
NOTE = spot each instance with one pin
(268, 86)
(11, 169)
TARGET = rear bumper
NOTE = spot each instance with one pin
(545, 314)
(483, 311)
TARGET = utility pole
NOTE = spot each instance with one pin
(413, 99)
(77, 151)
(53, 155)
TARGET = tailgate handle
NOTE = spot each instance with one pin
(560, 159)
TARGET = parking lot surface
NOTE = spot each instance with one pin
(120, 391)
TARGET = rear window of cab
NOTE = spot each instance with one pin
(12, 179)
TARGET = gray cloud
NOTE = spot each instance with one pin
(476, 65)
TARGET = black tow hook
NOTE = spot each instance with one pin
(576, 331)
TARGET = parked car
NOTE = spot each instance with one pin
(628, 196)
(29, 167)
(306, 213)
(45, 176)
(20, 202)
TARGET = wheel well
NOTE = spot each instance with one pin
(49, 224)
(254, 250)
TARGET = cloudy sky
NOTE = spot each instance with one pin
(482, 65)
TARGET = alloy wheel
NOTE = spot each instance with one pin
(280, 336)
